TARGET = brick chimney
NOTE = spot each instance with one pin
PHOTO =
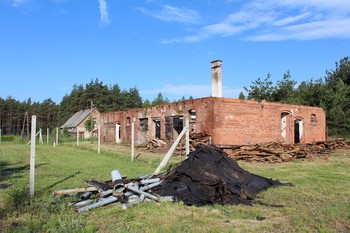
(216, 78)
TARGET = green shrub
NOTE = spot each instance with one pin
(8, 138)
(18, 197)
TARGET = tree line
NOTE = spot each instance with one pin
(15, 116)
(331, 92)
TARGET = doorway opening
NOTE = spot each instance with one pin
(157, 128)
(117, 133)
(298, 130)
(173, 126)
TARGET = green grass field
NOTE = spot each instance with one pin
(318, 201)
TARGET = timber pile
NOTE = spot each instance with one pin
(195, 140)
(155, 144)
(274, 152)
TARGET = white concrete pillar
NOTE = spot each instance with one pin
(216, 78)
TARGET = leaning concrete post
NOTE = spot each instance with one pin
(32, 157)
(41, 137)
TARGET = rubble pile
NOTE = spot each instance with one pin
(195, 140)
(209, 176)
(155, 144)
(120, 191)
(275, 152)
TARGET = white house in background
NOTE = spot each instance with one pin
(77, 122)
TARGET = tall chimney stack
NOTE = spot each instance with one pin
(216, 78)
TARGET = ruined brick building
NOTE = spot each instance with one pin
(228, 121)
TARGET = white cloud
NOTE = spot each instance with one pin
(21, 3)
(104, 18)
(174, 14)
(291, 19)
(279, 20)
(308, 31)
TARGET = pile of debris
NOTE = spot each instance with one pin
(207, 176)
(195, 140)
(155, 144)
(275, 152)
(120, 191)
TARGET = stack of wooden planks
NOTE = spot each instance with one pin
(195, 139)
(275, 152)
(154, 144)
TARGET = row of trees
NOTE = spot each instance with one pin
(331, 92)
(96, 94)
(15, 115)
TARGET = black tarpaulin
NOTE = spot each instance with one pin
(209, 176)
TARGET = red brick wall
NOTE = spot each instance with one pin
(249, 122)
(228, 121)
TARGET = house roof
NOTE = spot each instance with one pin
(77, 118)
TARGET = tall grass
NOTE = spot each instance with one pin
(318, 201)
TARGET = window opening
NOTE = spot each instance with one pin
(192, 113)
(157, 128)
(313, 119)
(144, 124)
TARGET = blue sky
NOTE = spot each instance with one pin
(165, 46)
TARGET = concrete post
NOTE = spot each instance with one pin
(99, 139)
(187, 124)
(132, 140)
(77, 136)
(32, 157)
(47, 135)
(56, 136)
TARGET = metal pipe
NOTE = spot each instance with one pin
(144, 188)
(166, 198)
(149, 181)
(119, 186)
(142, 192)
(86, 196)
(106, 193)
(104, 201)
(146, 176)
(81, 203)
